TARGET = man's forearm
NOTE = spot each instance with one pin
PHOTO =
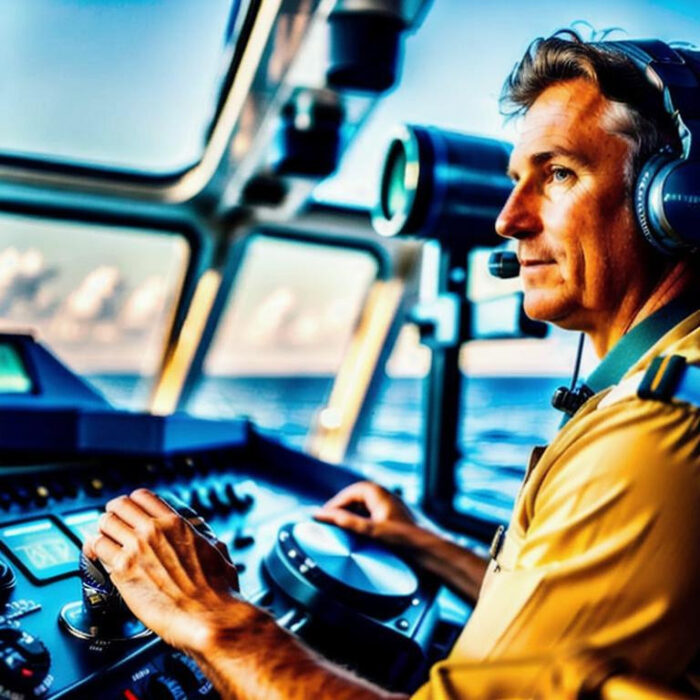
(249, 656)
(460, 568)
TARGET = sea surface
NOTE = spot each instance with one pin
(502, 419)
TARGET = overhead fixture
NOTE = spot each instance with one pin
(309, 136)
(365, 44)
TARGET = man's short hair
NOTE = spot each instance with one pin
(640, 116)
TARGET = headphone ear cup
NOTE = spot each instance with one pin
(647, 180)
(667, 203)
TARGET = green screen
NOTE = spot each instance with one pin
(14, 378)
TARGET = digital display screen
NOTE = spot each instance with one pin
(14, 378)
(83, 524)
(41, 548)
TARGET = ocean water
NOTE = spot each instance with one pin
(502, 419)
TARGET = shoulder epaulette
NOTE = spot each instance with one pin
(671, 377)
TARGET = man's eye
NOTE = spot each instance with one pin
(560, 174)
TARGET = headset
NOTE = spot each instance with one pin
(667, 191)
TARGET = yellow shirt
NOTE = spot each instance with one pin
(603, 548)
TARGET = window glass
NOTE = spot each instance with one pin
(506, 396)
(283, 333)
(129, 84)
(101, 297)
(503, 418)
(389, 447)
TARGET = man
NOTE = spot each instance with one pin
(603, 549)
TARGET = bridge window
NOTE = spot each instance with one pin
(100, 296)
(131, 85)
(289, 316)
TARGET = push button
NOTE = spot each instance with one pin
(24, 662)
(243, 539)
(201, 502)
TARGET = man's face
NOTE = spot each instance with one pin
(570, 209)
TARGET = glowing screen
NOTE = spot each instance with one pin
(41, 547)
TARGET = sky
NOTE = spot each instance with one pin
(124, 83)
(99, 296)
(455, 64)
(293, 309)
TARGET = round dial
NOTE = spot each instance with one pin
(353, 561)
(317, 564)
(7, 580)
(188, 673)
(165, 688)
(24, 664)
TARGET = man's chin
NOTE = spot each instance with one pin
(542, 307)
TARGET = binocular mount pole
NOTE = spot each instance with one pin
(445, 324)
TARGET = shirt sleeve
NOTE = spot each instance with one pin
(606, 555)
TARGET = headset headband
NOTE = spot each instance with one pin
(675, 71)
(667, 192)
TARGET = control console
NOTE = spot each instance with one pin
(65, 631)
(65, 634)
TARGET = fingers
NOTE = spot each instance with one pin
(106, 550)
(363, 492)
(150, 503)
(158, 539)
(89, 546)
(127, 510)
(342, 518)
(115, 528)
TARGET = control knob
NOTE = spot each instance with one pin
(7, 580)
(190, 676)
(24, 665)
(102, 613)
(162, 687)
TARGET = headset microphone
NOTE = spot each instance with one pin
(504, 264)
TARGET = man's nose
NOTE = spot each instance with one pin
(520, 216)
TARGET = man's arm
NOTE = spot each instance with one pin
(183, 588)
(389, 520)
(248, 655)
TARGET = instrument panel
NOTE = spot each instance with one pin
(379, 620)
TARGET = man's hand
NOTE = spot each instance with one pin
(184, 588)
(390, 521)
(386, 518)
(172, 578)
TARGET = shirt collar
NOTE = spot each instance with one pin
(638, 340)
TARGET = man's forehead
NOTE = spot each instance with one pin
(567, 119)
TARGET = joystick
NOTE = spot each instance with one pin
(102, 613)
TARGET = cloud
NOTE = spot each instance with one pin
(23, 278)
(144, 306)
(97, 297)
(270, 317)
(87, 313)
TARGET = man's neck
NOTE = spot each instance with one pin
(677, 280)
